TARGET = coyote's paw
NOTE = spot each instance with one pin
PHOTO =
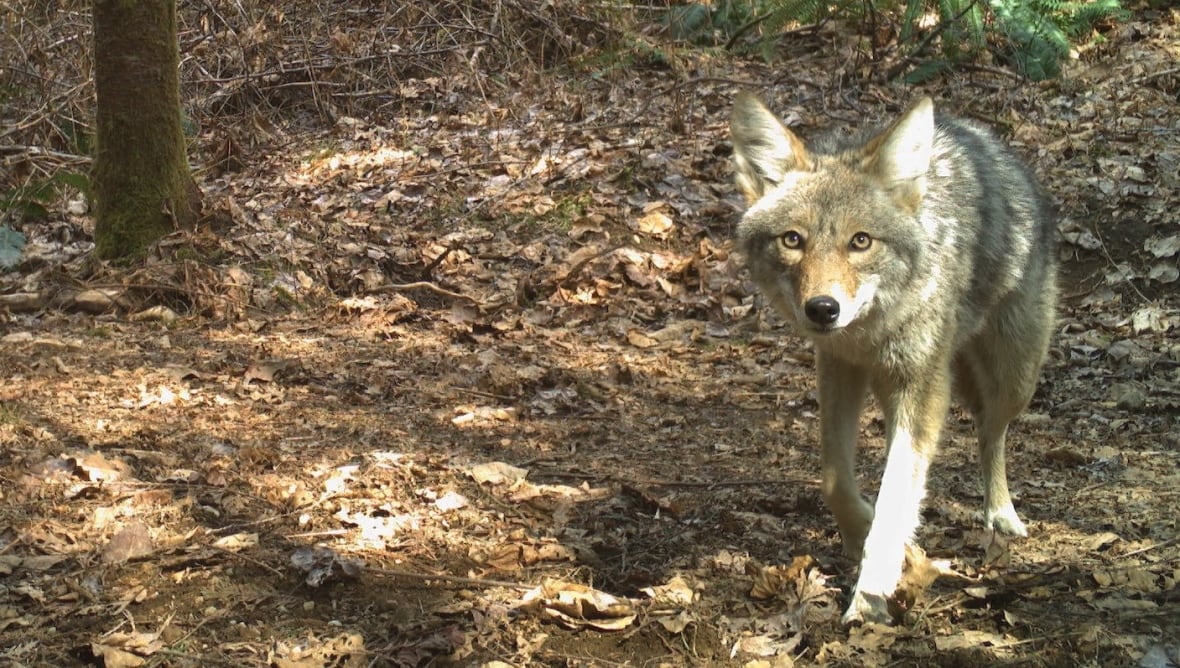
(867, 608)
(1006, 521)
(854, 523)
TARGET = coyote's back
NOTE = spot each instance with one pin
(911, 256)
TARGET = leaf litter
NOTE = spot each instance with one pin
(476, 379)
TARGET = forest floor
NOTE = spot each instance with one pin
(476, 380)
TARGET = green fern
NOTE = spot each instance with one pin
(1036, 44)
(1081, 17)
(950, 36)
(909, 20)
(785, 12)
(975, 24)
(927, 70)
(1033, 35)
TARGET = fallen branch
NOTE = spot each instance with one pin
(1155, 75)
(420, 285)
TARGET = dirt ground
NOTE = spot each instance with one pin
(480, 382)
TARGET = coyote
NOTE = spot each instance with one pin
(913, 256)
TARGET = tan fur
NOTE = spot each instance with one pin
(955, 287)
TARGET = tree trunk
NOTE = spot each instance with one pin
(142, 183)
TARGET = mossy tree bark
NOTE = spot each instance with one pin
(142, 183)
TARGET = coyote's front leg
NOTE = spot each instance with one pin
(842, 388)
(915, 409)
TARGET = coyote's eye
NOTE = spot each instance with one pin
(860, 241)
(792, 240)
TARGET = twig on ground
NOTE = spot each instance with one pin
(456, 579)
(420, 285)
(1154, 75)
(1157, 546)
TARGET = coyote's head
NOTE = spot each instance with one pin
(831, 228)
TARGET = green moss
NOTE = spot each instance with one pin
(284, 297)
(566, 211)
(320, 152)
(10, 415)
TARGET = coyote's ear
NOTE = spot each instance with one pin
(764, 150)
(901, 154)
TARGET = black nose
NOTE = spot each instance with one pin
(822, 310)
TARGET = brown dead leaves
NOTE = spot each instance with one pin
(554, 502)
(127, 650)
(574, 606)
(464, 344)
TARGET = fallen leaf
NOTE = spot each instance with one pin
(772, 581)
(321, 564)
(1150, 319)
(576, 606)
(970, 638)
(654, 224)
(113, 657)
(676, 623)
(237, 541)
(1163, 246)
(675, 594)
(133, 542)
(639, 339)
(450, 501)
(497, 473)
(263, 373)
